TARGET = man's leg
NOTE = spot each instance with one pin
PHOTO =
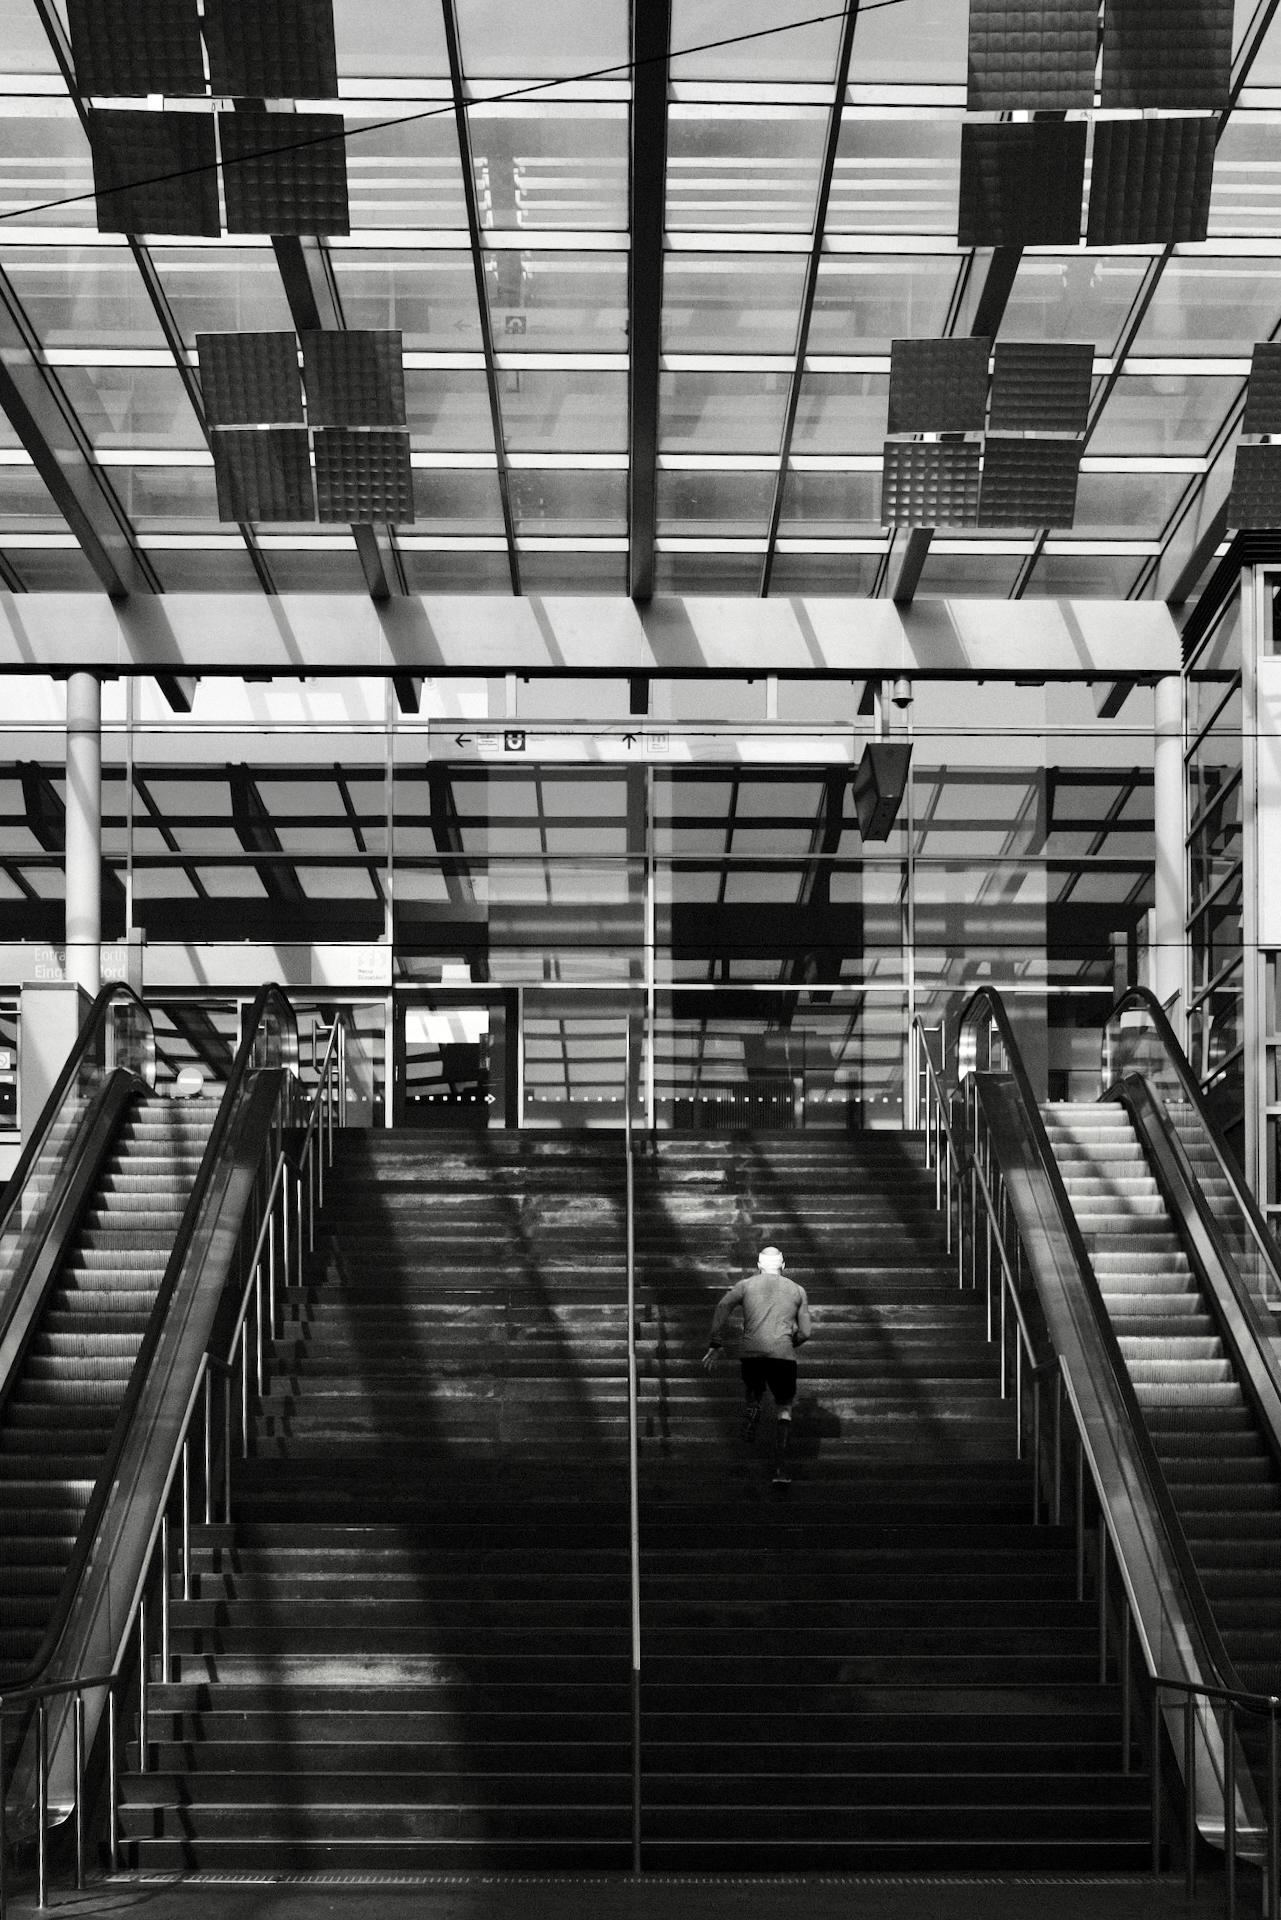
(752, 1368)
(782, 1384)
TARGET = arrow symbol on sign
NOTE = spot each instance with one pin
(462, 739)
(630, 739)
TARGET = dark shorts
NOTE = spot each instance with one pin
(760, 1371)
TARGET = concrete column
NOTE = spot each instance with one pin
(84, 831)
(1169, 914)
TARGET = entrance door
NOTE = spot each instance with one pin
(451, 1064)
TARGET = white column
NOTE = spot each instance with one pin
(1169, 915)
(84, 830)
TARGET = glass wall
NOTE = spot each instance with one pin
(1215, 849)
(502, 889)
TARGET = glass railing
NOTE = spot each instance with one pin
(1138, 1039)
(117, 1035)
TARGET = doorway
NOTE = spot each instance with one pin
(453, 1066)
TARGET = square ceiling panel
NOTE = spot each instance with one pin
(1041, 386)
(284, 173)
(938, 386)
(263, 476)
(154, 172)
(250, 379)
(1021, 185)
(281, 51)
(1151, 180)
(1263, 395)
(354, 379)
(930, 483)
(1029, 483)
(1255, 499)
(1167, 53)
(1032, 53)
(362, 477)
(136, 46)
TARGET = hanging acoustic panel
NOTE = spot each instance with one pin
(354, 379)
(364, 476)
(1151, 180)
(250, 379)
(1029, 483)
(263, 475)
(1167, 53)
(930, 483)
(1032, 53)
(1021, 184)
(136, 46)
(938, 386)
(154, 172)
(281, 51)
(1263, 395)
(284, 173)
(1255, 499)
(1041, 386)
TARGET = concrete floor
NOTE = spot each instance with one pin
(662, 1897)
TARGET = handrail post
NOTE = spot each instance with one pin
(1154, 1774)
(1189, 1792)
(1272, 1900)
(1230, 1806)
(633, 1459)
(78, 1766)
(42, 1803)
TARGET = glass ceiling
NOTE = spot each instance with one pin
(771, 359)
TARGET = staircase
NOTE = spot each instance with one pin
(58, 1417)
(413, 1649)
(1221, 1472)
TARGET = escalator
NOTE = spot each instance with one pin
(1146, 1266)
(62, 1400)
(122, 1253)
(1154, 1194)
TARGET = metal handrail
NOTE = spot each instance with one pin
(276, 1244)
(1144, 1000)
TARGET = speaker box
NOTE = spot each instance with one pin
(879, 782)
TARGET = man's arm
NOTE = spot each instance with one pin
(804, 1325)
(724, 1307)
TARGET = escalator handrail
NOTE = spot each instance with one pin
(1144, 998)
(988, 999)
(87, 1532)
(94, 1022)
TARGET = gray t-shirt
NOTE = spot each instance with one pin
(773, 1307)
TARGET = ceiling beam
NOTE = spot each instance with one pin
(484, 316)
(813, 265)
(651, 55)
(179, 689)
(39, 413)
(408, 689)
(251, 819)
